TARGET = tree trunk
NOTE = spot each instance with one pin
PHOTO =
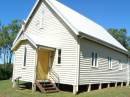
(7, 57)
(4, 58)
(10, 57)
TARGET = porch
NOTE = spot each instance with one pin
(45, 77)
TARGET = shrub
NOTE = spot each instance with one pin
(6, 72)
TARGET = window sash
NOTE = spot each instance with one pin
(110, 62)
(94, 59)
(59, 56)
(120, 65)
(25, 55)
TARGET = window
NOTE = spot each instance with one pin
(94, 59)
(120, 65)
(59, 56)
(25, 54)
(110, 62)
(42, 20)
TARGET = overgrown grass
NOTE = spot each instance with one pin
(6, 90)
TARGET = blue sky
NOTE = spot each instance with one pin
(108, 13)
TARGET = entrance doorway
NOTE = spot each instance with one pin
(43, 64)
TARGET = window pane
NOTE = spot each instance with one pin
(110, 62)
(59, 56)
(92, 58)
(25, 52)
(96, 59)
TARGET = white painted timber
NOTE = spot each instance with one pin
(56, 34)
(102, 74)
(26, 73)
(57, 31)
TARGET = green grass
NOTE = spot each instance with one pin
(6, 90)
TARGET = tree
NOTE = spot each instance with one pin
(7, 36)
(14, 28)
(4, 38)
(121, 36)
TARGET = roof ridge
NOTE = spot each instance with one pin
(62, 16)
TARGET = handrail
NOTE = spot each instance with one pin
(54, 76)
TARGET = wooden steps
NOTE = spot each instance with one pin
(47, 86)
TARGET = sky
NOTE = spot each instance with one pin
(108, 13)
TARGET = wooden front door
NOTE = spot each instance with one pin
(43, 64)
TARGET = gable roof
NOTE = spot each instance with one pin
(79, 23)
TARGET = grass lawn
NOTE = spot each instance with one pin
(6, 90)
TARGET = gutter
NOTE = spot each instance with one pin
(103, 43)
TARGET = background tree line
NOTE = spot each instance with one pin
(121, 36)
(8, 33)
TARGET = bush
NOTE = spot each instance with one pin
(6, 72)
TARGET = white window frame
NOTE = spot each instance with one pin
(120, 65)
(94, 59)
(109, 62)
(25, 57)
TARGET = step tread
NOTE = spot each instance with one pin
(51, 91)
(47, 87)
(50, 88)
(40, 87)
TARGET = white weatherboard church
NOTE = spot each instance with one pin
(60, 45)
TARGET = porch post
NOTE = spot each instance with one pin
(33, 87)
(35, 71)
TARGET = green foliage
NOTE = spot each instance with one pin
(5, 73)
(121, 36)
(13, 29)
(7, 36)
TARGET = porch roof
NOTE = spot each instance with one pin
(39, 41)
(36, 41)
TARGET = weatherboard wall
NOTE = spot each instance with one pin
(101, 74)
(59, 36)
(26, 73)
